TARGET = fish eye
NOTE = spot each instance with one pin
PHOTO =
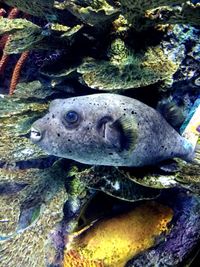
(71, 117)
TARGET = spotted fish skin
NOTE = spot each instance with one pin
(108, 129)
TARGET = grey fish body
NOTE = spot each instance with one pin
(108, 129)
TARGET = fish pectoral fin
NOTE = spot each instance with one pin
(121, 134)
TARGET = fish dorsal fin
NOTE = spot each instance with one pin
(122, 133)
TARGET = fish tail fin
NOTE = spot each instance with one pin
(191, 133)
(196, 159)
(194, 155)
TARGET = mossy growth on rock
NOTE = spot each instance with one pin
(126, 70)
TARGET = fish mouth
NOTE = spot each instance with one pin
(35, 135)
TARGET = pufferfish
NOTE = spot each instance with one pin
(108, 129)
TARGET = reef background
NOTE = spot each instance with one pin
(148, 50)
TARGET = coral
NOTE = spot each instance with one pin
(90, 12)
(3, 62)
(13, 13)
(66, 31)
(30, 217)
(9, 25)
(59, 76)
(127, 70)
(21, 36)
(120, 26)
(5, 40)
(189, 176)
(16, 117)
(25, 191)
(114, 182)
(114, 241)
(2, 12)
(34, 89)
(24, 34)
(100, 44)
(143, 14)
(187, 13)
(130, 71)
(73, 259)
(184, 175)
(17, 71)
(79, 197)
(41, 8)
(139, 14)
(183, 237)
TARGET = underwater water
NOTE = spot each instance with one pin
(99, 133)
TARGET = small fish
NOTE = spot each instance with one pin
(108, 129)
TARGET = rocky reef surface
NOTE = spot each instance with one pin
(149, 50)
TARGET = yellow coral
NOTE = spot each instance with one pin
(120, 25)
(157, 61)
(113, 242)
